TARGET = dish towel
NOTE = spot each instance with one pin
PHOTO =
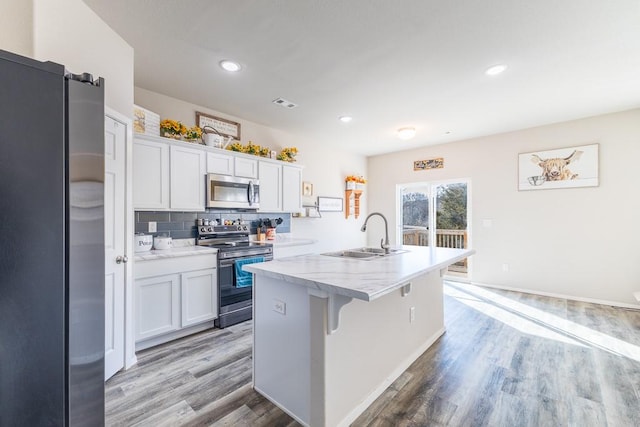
(245, 278)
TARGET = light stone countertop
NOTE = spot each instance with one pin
(181, 247)
(284, 240)
(364, 279)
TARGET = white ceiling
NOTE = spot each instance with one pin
(389, 64)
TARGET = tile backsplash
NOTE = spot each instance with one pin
(182, 225)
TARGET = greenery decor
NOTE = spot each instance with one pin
(288, 154)
(172, 129)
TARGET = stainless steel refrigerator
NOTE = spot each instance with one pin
(51, 245)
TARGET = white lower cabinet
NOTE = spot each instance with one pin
(157, 306)
(199, 299)
(174, 297)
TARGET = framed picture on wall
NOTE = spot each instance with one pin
(330, 204)
(559, 168)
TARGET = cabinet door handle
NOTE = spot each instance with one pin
(121, 259)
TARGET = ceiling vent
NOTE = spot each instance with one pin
(284, 103)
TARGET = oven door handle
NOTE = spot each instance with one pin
(227, 262)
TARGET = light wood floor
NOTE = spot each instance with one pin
(507, 359)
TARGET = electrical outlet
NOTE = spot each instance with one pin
(153, 226)
(505, 267)
(280, 307)
(412, 314)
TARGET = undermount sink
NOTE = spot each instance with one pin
(364, 253)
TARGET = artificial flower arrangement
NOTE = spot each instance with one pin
(355, 182)
(250, 148)
(172, 128)
(193, 134)
(288, 154)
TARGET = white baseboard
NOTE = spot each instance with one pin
(554, 295)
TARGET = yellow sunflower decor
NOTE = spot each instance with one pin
(288, 154)
(172, 129)
(193, 134)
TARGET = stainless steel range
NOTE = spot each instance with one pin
(234, 289)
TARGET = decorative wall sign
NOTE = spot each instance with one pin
(560, 168)
(436, 163)
(224, 126)
(330, 204)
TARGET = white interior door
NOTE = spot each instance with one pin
(114, 194)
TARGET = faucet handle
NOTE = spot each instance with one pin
(383, 246)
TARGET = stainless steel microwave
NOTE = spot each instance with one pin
(228, 192)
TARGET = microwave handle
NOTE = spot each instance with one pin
(250, 195)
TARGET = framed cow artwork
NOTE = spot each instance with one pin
(560, 168)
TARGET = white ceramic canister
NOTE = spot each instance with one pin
(143, 242)
(162, 242)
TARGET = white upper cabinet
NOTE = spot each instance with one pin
(246, 168)
(270, 187)
(187, 178)
(150, 175)
(291, 188)
(280, 187)
(221, 164)
(170, 175)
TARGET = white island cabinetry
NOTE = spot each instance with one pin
(174, 297)
(331, 334)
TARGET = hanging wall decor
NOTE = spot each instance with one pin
(436, 163)
(559, 168)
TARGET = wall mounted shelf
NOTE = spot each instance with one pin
(352, 196)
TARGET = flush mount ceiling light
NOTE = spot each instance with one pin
(406, 133)
(345, 119)
(230, 66)
(495, 70)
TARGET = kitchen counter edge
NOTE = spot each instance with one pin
(366, 280)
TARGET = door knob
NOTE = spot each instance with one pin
(120, 259)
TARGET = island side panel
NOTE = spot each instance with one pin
(375, 342)
(281, 362)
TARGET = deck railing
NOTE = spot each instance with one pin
(419, 236)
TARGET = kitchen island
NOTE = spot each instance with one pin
(332, 333)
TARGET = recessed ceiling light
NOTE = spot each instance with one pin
(345, 119)
(495, 70)
(231, 66)
(406, 133)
